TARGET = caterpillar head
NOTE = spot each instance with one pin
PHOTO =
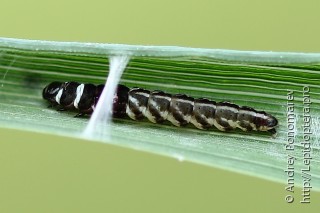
(50, 91)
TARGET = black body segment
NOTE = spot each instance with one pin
(87, 98)
(180, 110)
(203, 113)
(247, 118)
(158, 106)
(226, 116)
(137, 103)
(120, 101)
(69, 94)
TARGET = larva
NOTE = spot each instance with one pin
(158, 106)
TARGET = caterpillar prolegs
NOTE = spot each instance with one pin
(158, 106)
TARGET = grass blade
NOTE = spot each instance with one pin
(258, 79)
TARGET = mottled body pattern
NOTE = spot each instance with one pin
(158, 106)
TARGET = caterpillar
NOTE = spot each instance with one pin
(158, 106)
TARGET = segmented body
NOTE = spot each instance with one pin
(158, 106)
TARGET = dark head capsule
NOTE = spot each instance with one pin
(51, 91)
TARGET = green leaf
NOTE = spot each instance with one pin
(261, 80)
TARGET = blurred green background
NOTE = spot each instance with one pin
(282, 25)
(41, 173)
